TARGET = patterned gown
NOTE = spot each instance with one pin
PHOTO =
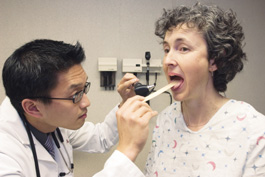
(231, 144)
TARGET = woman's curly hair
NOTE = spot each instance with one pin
(222, 32)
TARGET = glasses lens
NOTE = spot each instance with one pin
(86, 89)
(78, 96)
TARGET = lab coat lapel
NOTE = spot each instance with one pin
(19, 131)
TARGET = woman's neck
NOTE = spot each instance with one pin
(198, 112)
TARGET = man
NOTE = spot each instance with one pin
(43, 117)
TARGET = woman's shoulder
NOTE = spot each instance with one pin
(246, 114)
(243, 107)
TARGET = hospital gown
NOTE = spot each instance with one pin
(231, 144)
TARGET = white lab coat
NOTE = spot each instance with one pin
(16, 157)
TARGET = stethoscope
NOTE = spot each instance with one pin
(69, 165)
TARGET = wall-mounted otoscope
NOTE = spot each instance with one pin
(147, 57)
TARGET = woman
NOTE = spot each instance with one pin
(204, 133)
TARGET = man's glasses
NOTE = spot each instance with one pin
(77, 96)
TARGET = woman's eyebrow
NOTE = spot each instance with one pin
(180, 39)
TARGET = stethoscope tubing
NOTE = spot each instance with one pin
(34, 153)
(33, 149)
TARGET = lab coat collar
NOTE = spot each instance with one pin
(11, 122)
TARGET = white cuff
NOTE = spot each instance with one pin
(119, 165)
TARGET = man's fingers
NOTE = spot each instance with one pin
(149, 115)
(137, 110)
(128, 79)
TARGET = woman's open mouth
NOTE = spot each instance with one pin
(177, 79)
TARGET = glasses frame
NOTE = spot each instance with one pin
(76, 98)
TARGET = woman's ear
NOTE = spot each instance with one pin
(31, 108)
(212, 66)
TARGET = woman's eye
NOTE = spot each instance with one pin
(184, 49)
(166, 50)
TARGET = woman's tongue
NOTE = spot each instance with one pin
(177, 83)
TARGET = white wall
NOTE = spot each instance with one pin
(123, 29)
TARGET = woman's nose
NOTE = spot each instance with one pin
(170, 59)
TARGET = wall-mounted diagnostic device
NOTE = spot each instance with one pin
(140, 66)
(137, 66)
(107, 68)
(131, 65)
(155, 66)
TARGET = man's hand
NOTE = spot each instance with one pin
(133, 126)
(125, 87)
